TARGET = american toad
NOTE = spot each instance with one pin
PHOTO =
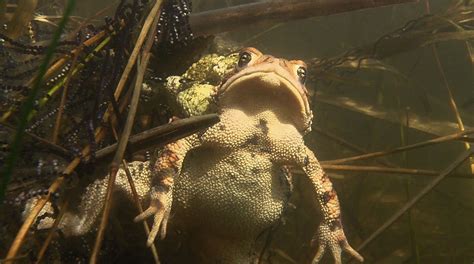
(228, 184)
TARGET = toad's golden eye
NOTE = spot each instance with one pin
(302, 74)
(244, 59)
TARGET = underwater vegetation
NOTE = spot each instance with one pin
(82, 97)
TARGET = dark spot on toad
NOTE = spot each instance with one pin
(253, 140)
(325, 177)
(328, 195)
(335, 225)
(306, 161)
(265, 149)
(262, 124)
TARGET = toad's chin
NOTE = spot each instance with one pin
(260, 91)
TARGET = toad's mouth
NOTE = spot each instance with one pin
(260, 90)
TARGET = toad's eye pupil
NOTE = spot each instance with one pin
(244, 59)
(302, 74)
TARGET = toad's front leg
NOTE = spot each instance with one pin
(287, 148)
(165, 168)
(330, 233)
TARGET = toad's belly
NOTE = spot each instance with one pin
(229, 193)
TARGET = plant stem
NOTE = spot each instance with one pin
(233, 18)
(148, 34)
(28, 106)
(455, 136)
(456, 163)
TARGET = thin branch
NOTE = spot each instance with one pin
(390, 169)
(236, 17)
(56, 149)
(24, 13)
(20, 236)
(357, 168)
(348, 145)
(59, 63)
(56, 66)
(163, 134)
(456, 136)
(99, 135)
(418, 122)
(3, 11)
(75, 55)
(49, 238)
(133, 56)
(105, 217)
(28, 105)
(30, 219)
(24, 184)
(452, 102)
(456, 163)
(2, 261)
(62, 103)
(386, 170)
(339, 140)
(140, 208)
(136, 199)
(149, 34)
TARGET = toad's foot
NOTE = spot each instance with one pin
(331, 235)
(160, 207)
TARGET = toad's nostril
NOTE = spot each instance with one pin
(268, 59)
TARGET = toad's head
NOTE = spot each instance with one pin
(262, 82)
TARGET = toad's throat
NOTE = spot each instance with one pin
(257, 91)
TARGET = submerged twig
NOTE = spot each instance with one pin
(28, 105)
(24, 13)
(99, 135)
(148, 32)
(136, 199)
(6, 260)
(59, 63)
(456, 163)
(452, 102)
(3, 11)
(386, 170)
(62, 103)
(140, 208)
(339, 140)
(357, 168)
(56, 66)
(49, 238)
(54, 148)
(163, 134)
(456, 136)
(417, 122)
(348, 145)
(20, 236)
(232, 18)
(134, 55)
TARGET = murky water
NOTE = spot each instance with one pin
(378, 79)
